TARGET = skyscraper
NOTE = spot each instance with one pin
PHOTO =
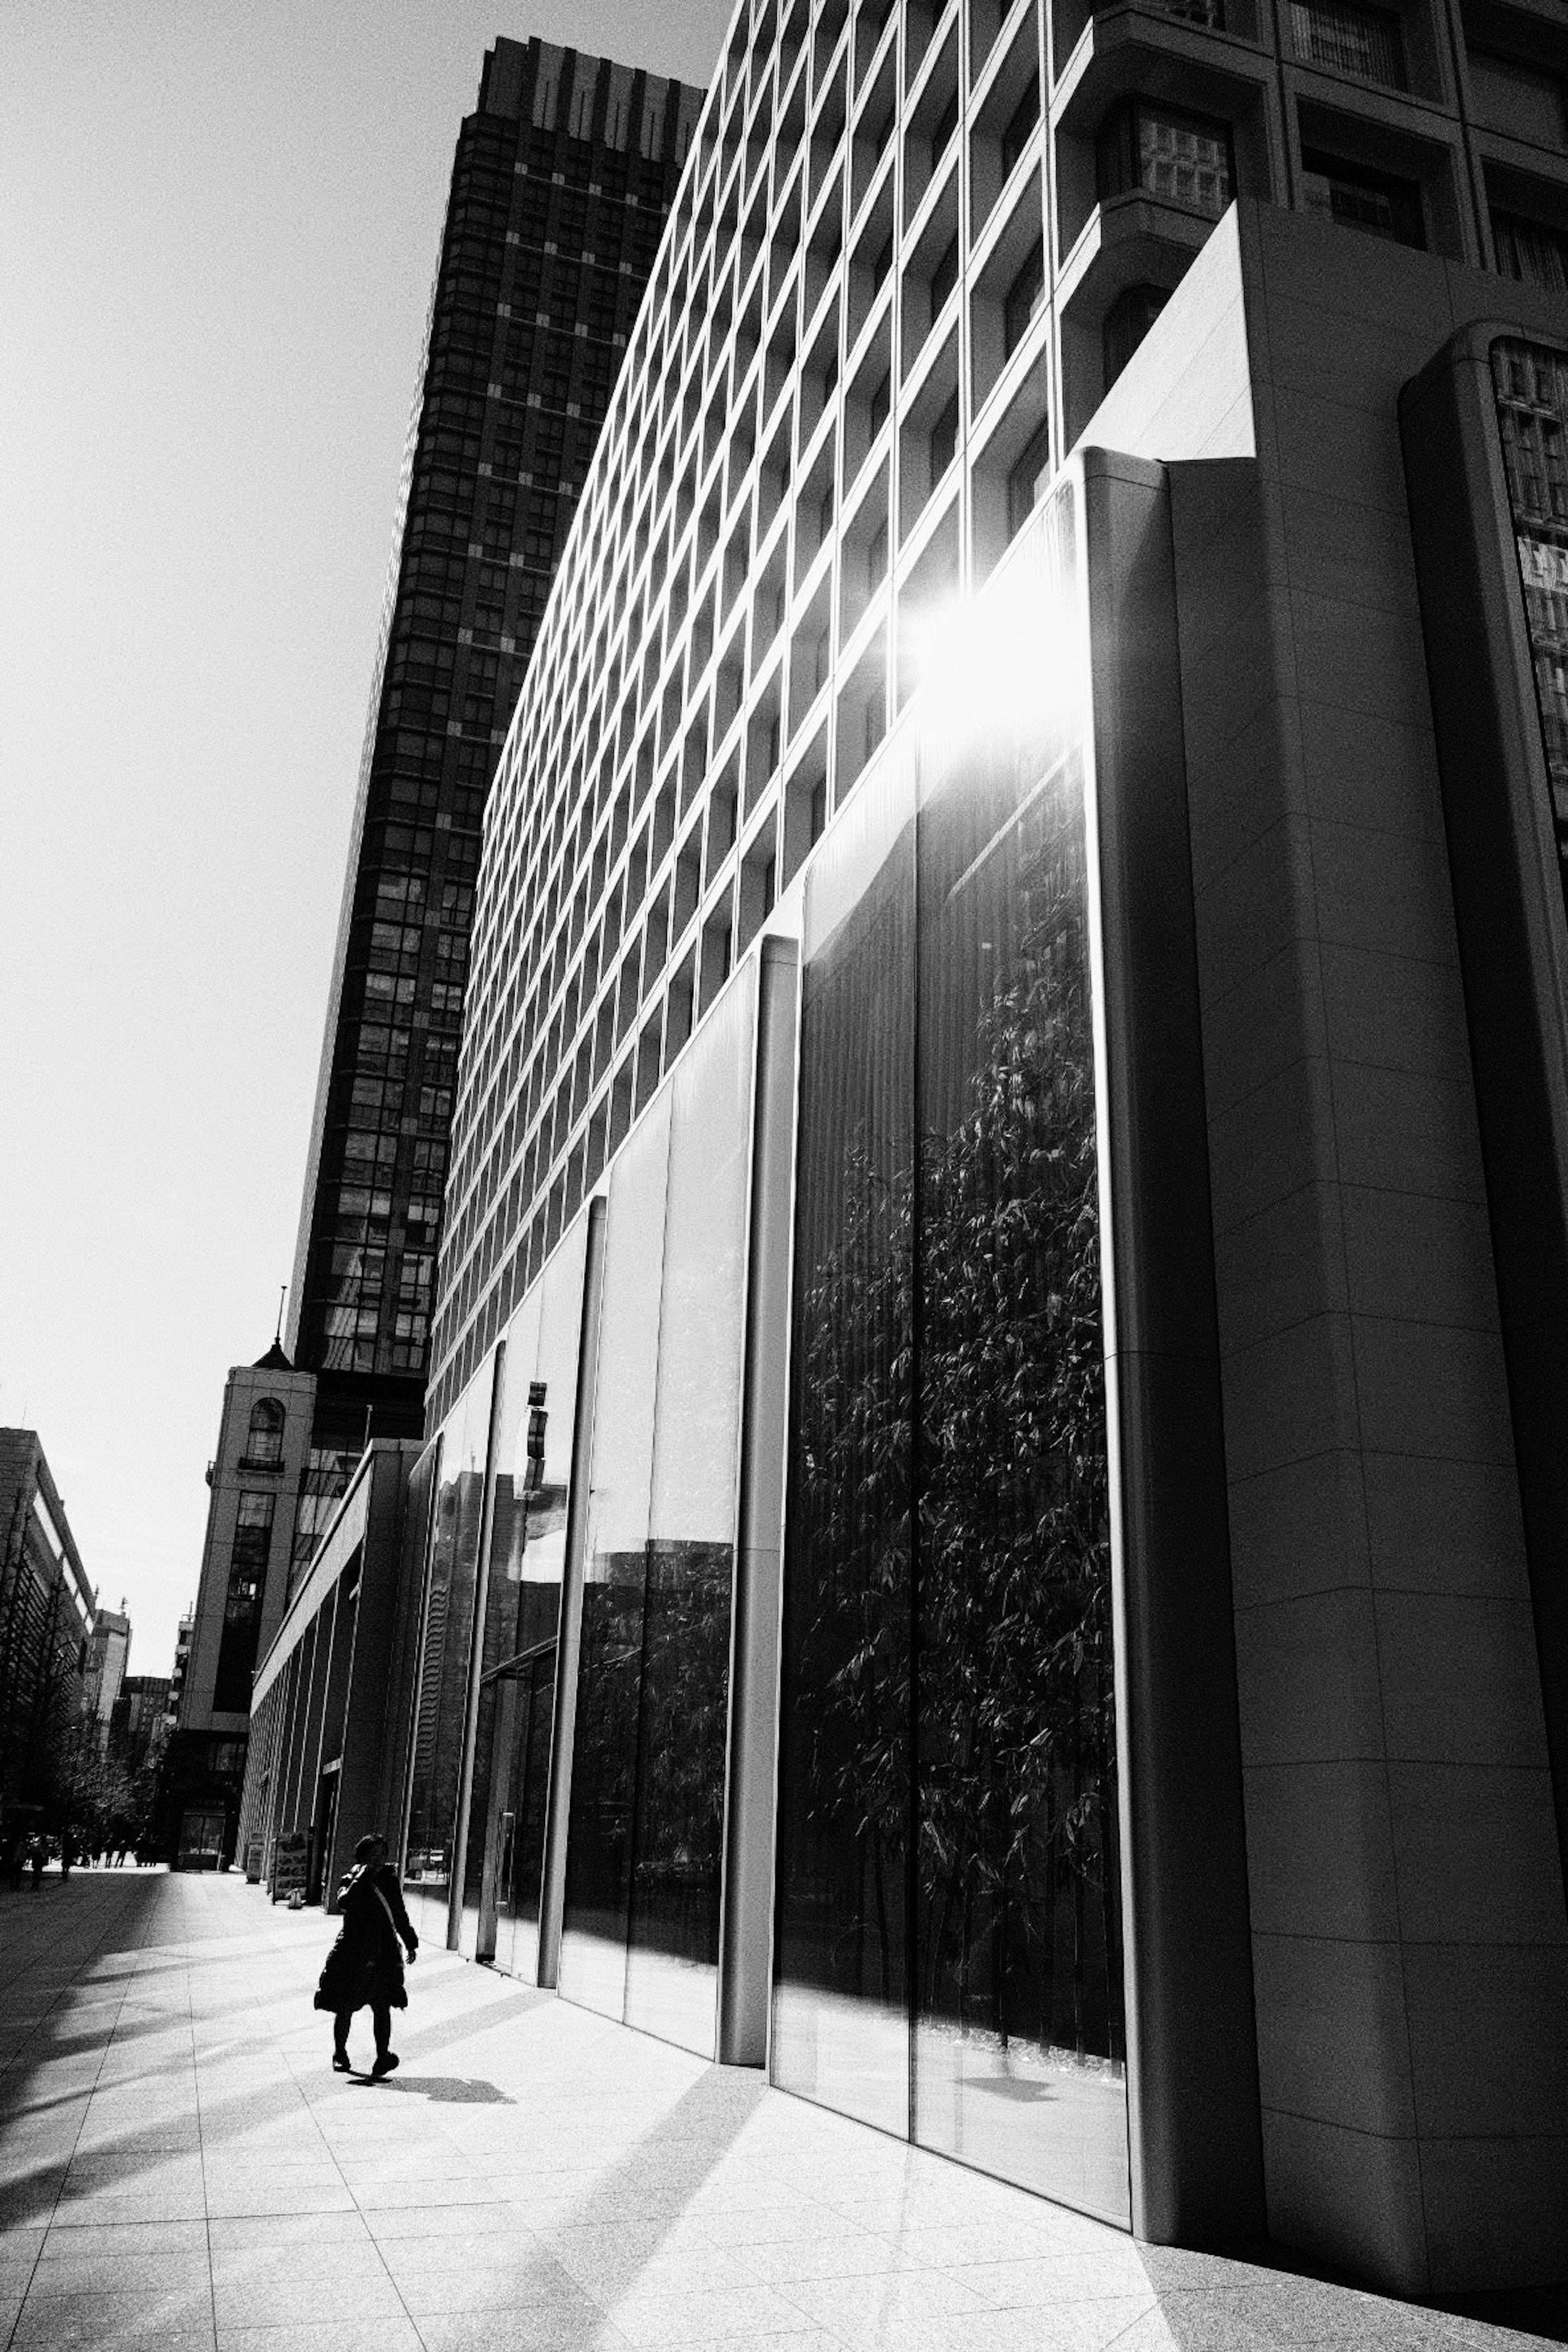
(560, 185)
(996, 1530)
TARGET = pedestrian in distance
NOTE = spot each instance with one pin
(36, 1861)
(365, 1968)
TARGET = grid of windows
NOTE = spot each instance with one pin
(898, 277)
(1532, 387)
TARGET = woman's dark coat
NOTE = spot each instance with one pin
(364, 1967)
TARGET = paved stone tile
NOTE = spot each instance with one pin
(345, 2335)
(475, 2331)
(388, 2225)
(179, 2166)
(84, 2272)
(226, 2231)
(863, 2256)
(708, 2317)
(146, 2316)
(886, 2310)
(246, 2300)
(323, 2267)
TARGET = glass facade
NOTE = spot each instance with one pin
(535, 1430)
(949, 1951)
(441, 1690)
(641, 1934)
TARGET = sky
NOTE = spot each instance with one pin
(219, 227)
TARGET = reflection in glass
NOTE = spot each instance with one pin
(1019, 2052)
(956, 1705)
(535, 1427)
(598, 1850)
(677, 1835)
(640, 1938)
(441, 1701)
(525, 1713)
(840, 2019)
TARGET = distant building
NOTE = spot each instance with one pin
(255, 1476)
(562, 182)
(139, 1723)
(184, 1632)
(107, 1654)
(326, 1759)
(46, 1610)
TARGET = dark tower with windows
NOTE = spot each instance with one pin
(563, 181)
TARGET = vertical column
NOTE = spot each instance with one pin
(558, 1803)
(746, 1908)
(1197, 2175)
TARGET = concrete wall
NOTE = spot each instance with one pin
(1409, 1933)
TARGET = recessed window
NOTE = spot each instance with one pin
(264, 1439)
(942, 129)
(1176, 158)
(944, 439)
(945, 277)
(1531, 251)
(1022, 298)
(1127, 322)
(1020, 125)
(1379, 204)
(1349, 38)
(1026, 482)
(1518, 99)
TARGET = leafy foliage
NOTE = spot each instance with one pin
(952, 1487)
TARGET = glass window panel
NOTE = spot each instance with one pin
(520, 1844)
(528, 1539)
(1349, 39)
(441, 1704)
(841, 2023)
(598, 1852)
(672, 1966)
(948, 1666)
(1019, 2040)
(498, 1637)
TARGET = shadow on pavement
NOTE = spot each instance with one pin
(448, 2090)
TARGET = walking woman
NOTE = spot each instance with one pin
(364, 1967)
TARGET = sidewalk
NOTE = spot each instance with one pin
(179, 2168)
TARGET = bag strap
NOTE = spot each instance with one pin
(380, 1898)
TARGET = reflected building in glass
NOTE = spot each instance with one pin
(990, 1535)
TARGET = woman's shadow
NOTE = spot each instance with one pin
(448, 2090)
